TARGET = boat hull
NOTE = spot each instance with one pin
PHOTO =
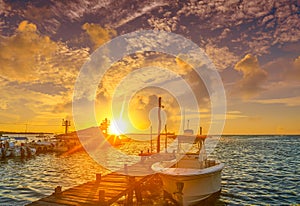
(191, 186)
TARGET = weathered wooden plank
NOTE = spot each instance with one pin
(52, 199)
(92, 198)
(78, 201)
(114, 185)
(113, 180)
(103, 187)
(43, 203)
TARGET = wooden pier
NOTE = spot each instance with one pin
(104, 191)
(141, 187)
(115, 187)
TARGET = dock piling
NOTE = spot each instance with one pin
(131, 182)
(98, 177)
(101, 197)
(138, 193)
(57, 191)
(126, 169)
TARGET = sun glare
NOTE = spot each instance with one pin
(117, 127)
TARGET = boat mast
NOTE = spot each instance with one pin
(159, 125)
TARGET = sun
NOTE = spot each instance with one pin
(117, 127)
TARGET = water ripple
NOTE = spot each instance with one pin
(259, 170)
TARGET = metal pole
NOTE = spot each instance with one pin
(159, 125)
(66, 124)
(151, 138)
(166, 138)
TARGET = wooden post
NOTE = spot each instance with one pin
(142, 156)
(98, 178)
(57, 191)
(138, 193)
(125, 169)
(102, 197)
(131, 182)
(179, 194)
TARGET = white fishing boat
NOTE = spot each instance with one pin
(19, 147)
(23, 151)
(191, 177)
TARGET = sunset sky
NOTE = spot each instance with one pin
(254, 44)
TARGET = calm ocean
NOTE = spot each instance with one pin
(259, 170)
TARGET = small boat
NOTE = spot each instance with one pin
(66, 143)
(42, 145)
(61, 147)
(22, 151)
(191, 177)
(19, 147)
(4, 152)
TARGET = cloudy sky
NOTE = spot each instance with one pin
(255, 46)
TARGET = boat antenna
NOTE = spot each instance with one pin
(183, 119)
(166, 139)
(151, 138)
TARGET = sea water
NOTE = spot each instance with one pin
(259, 170)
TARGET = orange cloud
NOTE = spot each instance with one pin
(295, 71)
(33, 67)
(26, 26)
(289, 101)
(253, 76)
(98, 34)
(20, 53)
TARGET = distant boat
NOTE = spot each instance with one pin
(67, 143)
(4, 152)
(191, 177)
(22, 151)
(61, 147)
(20, 138)
(19, 147)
